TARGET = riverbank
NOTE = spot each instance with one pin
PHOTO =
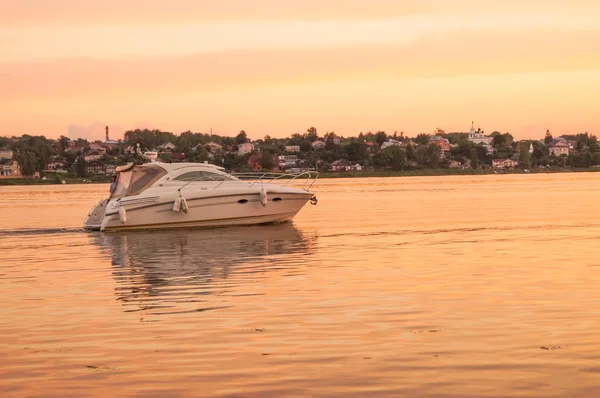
(101, 179)
(52, 180)
(448, 172)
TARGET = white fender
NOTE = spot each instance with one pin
(122, 215)
(177, 205)
(263, 197)
(184, 205)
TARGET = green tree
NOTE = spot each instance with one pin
(305, 146)
(410, 151)
(149, 139)
(422, 139)
(295, 139)
(356, 151)
(186, 141)
(330, 144)
(524, 159)
(82, 142)
(28, 162)
(80, 167)
(311, 134)
(382, 159)
(434, 155)
(592, 144)
(380, 137)
(429, 155)
(548, 138)
(498, 139)
(398, 156)
(474, 158)
(64, 143)
(232, 161)
(587, 159)
(241, 138)
(266, 161)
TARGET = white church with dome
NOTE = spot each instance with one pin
(478, 137)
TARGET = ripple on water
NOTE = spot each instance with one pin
(475, 286)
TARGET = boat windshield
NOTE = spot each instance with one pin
(203, 175)
(136, 180)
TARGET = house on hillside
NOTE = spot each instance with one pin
(110, 169)
(392, 142)
(245, 148)
(504, 163)
(10, 169)
(287, 161)
(6, 154)
(55, 165)
(440, 141)
(178, 157)
(333, 137)
(344, 165)
(318, 145)
(559, 147)
(93, 156)
(213, 147)
(94, 147)
(478, 137)
(167, 147)
(292, 148)
(95, 167)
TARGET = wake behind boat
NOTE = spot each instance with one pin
(174, 195)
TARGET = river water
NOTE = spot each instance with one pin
(482, 286)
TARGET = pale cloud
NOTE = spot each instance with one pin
(125, 41)
(77, 12)
(93, 132)
(496, 102)
(103, 12)
(122, 81)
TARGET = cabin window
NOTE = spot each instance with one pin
(144, 177)
(200, 175)
(122, 184)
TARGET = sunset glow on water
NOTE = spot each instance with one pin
(427, 286)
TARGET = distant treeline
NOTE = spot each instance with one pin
(408, 153)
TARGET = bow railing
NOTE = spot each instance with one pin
(308, 178)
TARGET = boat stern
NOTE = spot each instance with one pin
(93, 221)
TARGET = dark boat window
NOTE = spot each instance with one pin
(200, 175)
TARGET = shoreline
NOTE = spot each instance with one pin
(449, 172)
(327, 175)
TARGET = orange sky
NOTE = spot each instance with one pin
(273, 67)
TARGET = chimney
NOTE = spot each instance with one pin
(106, 133)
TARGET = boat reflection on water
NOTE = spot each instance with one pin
(169, 271)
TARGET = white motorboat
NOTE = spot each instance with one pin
(173, 195)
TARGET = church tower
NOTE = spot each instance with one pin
(106, 134)
(472, 132)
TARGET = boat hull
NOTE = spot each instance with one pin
(93, 221)
(204, 212)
